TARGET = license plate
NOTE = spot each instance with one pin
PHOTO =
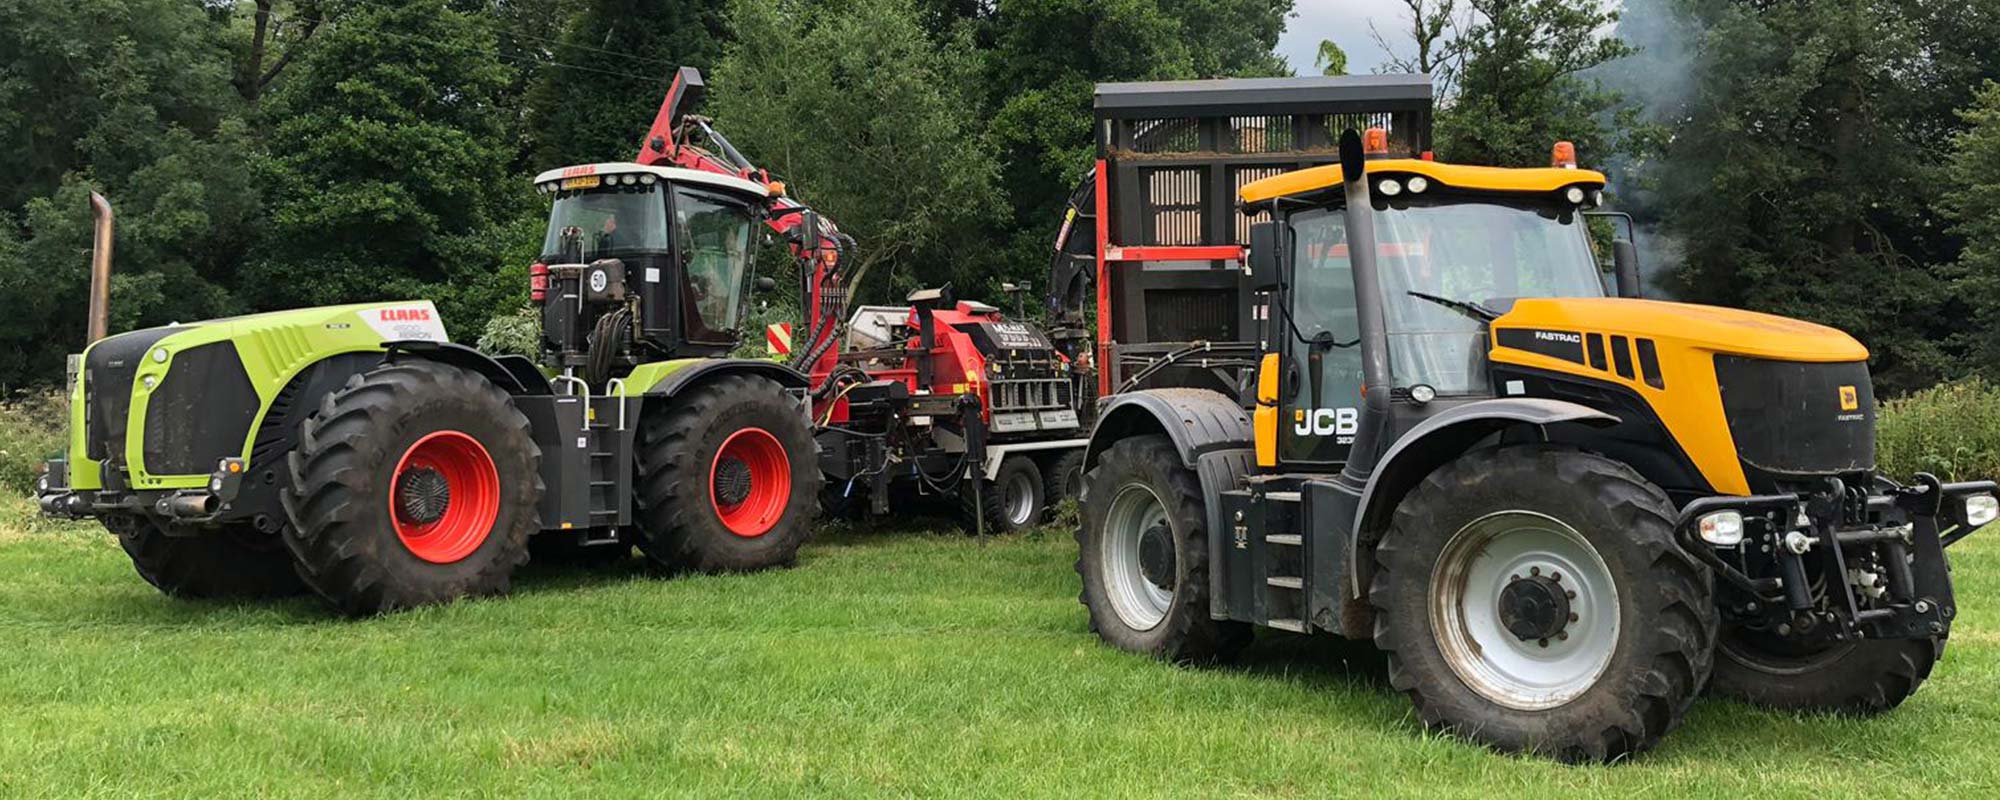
(584, 182)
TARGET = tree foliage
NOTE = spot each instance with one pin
(1517, 86)
(1330, 59)
(871, 116)
(602, 81)
(1803, 174)
(1973, 204)
(388, 171)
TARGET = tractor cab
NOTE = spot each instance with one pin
(1454, 247)
(643, 263)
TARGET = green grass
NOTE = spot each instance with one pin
(886, 663)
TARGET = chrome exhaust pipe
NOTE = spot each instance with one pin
(187, 506)
(100, 267)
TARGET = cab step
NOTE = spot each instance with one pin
(1293, 625)
(1291, 539)
(1286, 582)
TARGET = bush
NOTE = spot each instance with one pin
(1951, 430)
(515, 333)
(32, 427)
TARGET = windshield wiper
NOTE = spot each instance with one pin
(1473, 310)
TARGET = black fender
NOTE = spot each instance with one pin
(1438, 440)
(1211, 433)
(692, 374)
(1198, 421)
(516, 375)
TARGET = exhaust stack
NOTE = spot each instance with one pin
(100, 268)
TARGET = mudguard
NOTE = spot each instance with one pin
(1198, 421)
(666, 378)
(1440, 439)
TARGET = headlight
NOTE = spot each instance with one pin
(1981, 509)
(1722, 528)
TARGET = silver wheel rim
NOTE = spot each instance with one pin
(1018, 498)
(1477, 565)
(1138, 603)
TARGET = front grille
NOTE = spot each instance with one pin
(200, 413)
(108, 372)
(1794, 418)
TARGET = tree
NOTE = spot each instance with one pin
(873, 123)
(1331, 60)
(1436, 52)
(285, 34)
(388, 171)
(131, 98)
(1973, 204)
(1516, 86)
(601, 83)
(1803, 176)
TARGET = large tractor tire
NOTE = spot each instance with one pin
(728, 477)
(1012, 501)
(232, 563)
(1062, 480)
(1533, 599)
(1865, 677)
(1143, 554)
(416, 483)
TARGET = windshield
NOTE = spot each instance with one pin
(1472, 251)
(590, 224)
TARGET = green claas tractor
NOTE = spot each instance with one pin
(355, 451)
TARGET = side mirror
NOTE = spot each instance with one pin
(1625, 260)
(1264, 275)
(763, 284)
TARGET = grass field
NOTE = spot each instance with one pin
(886, 663)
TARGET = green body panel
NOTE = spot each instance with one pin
(646, 376)
(274, 348)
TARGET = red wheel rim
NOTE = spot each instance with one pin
(750, 481)
(443, 527)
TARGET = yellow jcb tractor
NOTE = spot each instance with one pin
(1561, 514)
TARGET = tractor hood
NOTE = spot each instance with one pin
(165, 403)
(1712, 329)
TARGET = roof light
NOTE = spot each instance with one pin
(1564, 155)
(649, 178)
(1575, 195)
(1419, 184)
(776, 188)
(1389, 187)
(1375, 142)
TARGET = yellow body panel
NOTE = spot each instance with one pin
(1496, 179)
(1264, 420)
(1687, 338)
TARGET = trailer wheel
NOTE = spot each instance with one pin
(1012, 501)
(416, 483)
(1062, 480)
(1533, 599)
(235, 562)
(729, 478)
(1143, 554)
(1864, 677)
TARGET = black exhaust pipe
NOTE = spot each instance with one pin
(1360, 220)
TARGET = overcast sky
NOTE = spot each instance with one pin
(1346, 23)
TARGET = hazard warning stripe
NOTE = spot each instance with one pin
(778, 339)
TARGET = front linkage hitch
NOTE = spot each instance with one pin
(1838, 563)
